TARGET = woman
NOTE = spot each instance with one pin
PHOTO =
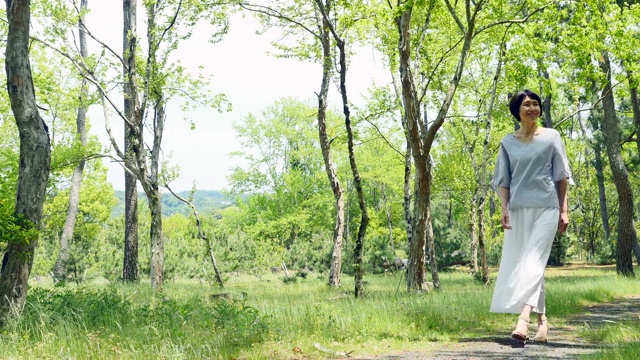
(531, 176)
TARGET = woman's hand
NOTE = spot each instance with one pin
(504, 199)
(563, 222)
(505, 220)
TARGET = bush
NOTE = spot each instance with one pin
(241, 324)
(227, 326)
(558, 254)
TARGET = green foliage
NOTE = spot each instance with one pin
(206, 201)
(15, 229)
(240, 320)
(380, 255)
(257, 316)
(120, 324)
(314, 254)
(558, 254)
(451, 240)
(287, 215)
(94, 308)
(290, 203)
(96, 202)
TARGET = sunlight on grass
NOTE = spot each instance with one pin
(260, 318)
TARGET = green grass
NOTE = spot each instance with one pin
(625, 351)
(268, 319)
(621, 340)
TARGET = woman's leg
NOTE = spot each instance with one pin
(522, 328)
(543, 329)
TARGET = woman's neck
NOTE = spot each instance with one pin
(528, 129)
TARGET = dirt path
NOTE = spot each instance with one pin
(564, 342)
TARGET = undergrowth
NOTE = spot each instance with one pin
(264, 318)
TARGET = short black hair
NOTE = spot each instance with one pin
(517, 99)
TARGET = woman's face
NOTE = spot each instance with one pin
(529, 110)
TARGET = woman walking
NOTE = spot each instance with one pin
(531, 176)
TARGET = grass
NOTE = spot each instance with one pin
(268, 319)
(621, 340)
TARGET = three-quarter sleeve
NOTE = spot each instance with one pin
(559, 161)
(502, 171)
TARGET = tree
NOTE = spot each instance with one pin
(607, 39)
(131, 112)
(60, 269)
(287, 211)
(626, 230)
(431, 63)
(202, 236)
(147, 95)
(35, 159)
(304, 17)
(326, 12)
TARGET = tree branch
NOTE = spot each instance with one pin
(452, 10)
(86, 73)
(516, 21)
(265, 10)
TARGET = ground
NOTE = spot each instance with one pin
(564, 342)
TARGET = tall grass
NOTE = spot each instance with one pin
(268, 319)
(621, 340)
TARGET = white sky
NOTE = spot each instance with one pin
(242, 69)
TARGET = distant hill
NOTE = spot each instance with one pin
(204, 201)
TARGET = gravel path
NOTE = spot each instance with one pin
(564, 342)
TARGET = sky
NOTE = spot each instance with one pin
(244, 71)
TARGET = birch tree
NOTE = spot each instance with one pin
(60, 268)
(303, 18)
(148, 87)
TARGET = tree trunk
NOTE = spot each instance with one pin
(546, 98)
(335, 270)
(416, 279)
(149, 176)
(35, 158)
(422, 137)
(157, 241)
(598, 164)
(626, 229)
(60, 268)
(388, 208)
(473, 228)
(407, 190)
(635, 105)
(433, 260)
(483, 179)
(130, 266)
(481, 243)
(364, 216)
(325, 11)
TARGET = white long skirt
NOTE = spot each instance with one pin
(525, 253)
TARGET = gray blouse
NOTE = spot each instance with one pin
(530, 170)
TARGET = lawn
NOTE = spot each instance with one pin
(268, 318)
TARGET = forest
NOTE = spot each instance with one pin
(348, 194)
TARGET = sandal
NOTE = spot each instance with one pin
(522, 329)
(543, 329)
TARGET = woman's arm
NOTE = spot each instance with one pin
(504, 199)
(561, 188)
